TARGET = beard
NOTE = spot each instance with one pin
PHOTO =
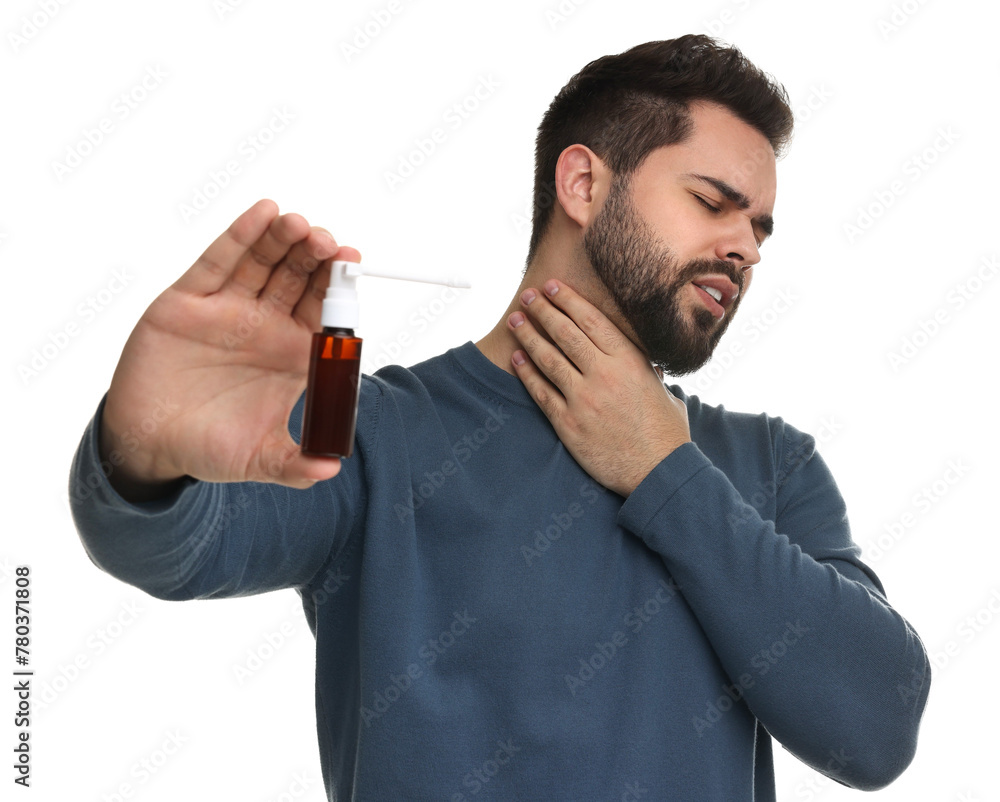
(645, 280)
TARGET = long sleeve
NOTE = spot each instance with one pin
(207, 539)
(799, 623)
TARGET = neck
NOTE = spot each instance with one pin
(560, 256)
(499, 344)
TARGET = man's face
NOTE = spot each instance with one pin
(674, 245)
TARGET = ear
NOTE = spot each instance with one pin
(582, 181)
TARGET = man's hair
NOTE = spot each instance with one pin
(625, 106)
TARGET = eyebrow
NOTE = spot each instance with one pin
(730, 193)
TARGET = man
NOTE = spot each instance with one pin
(542, 575)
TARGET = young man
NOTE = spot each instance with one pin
(542, 573)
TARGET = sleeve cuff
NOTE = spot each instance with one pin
(660, 485)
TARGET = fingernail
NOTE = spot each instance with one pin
(518, 358)
(551, 287)
(516, 319)
(528, 296)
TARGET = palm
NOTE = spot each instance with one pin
(212, 369)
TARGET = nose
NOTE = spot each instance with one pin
(739, 245)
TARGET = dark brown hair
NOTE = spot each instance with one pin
(625, 106)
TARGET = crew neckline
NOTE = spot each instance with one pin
(508, 386)
(479, 367)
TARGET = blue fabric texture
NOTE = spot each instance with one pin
(491, 623)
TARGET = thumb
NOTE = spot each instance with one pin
(287, 465)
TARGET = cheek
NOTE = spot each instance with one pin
(684, 231)
(678, 225)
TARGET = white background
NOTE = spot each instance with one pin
(912, 442)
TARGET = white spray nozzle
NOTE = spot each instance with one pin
(341, 308)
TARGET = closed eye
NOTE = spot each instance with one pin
(717, 210)
(706, 204)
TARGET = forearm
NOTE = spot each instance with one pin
(829, 668)
(201, 539)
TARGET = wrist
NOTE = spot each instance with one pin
(654, 459)
(135, 475)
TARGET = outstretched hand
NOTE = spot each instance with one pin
(209, 375)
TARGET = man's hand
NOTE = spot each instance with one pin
(604, 399)
(211, 371)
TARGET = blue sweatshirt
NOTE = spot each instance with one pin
(491, 623)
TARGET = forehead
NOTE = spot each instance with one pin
(722, 146)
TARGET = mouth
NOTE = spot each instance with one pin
(717, 293)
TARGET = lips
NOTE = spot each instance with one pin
(718, 293)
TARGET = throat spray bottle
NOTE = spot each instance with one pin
(331, 409)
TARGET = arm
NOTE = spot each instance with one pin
(181, 484)
(212, 539)
(799, 623)
(846, 692)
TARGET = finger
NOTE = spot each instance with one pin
(214, 267)
(302, 472)
(309, 308)
(256, 265)
(560, 328)
(548, 397)
(588, 318)
(290, 279)
(542, 353)
(285, 464)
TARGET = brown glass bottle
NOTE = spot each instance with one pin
(331, 409)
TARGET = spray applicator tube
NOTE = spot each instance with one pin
(331, 408)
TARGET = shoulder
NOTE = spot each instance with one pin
(394, 398)
(715, 421)
(743, 440)
(399, 384)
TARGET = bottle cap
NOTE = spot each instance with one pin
(341, 308)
